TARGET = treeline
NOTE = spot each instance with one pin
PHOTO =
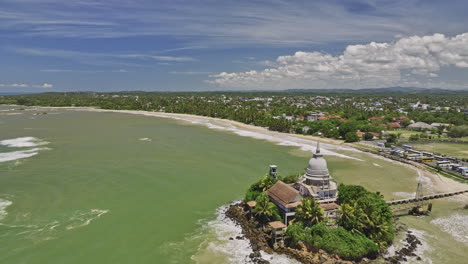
(238, 106)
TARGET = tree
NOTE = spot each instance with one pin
(368, 136)
(309, 212)
(266, 209)
(347, 127)
(351, 137)
(392, 138)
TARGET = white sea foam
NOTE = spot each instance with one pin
(22, 142)
(377, 165)
(455, 225)
(226, 244)
(422, 250)
(84, 218)
(280, 139)
(3, 206)
(144, 139)
(20, 154)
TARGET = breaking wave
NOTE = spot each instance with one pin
(220, 241)
(422, 250)
(278, 138)
(53, 229)
(21, 154)
(3, 206)
(454, 225)
(21, 142)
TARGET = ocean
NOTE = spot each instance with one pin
(105, 187)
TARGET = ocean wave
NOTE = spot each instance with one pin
(422, 250)
(55, 228)
(20, 154)
(221, 241)
(84, 218)
(3, 206)
(22, 142)
(454, 225)
(278, 138)
(144, 139)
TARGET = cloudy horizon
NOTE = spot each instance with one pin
(113, 45)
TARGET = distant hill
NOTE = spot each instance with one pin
(411, 90)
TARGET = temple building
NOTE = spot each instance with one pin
(316, 183)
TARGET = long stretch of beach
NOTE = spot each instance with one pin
(435, 182)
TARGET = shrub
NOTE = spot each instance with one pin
(351, 137)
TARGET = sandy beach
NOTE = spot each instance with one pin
(436, 183)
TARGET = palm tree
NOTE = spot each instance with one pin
(264, 207)
(309, 212)
(347, 217)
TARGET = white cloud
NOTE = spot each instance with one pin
(191, 72)
(23, 85)
(44, 86)
(20, 85)
(96, 58)
(359, 66)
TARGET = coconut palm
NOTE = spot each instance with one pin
(264, 207)
(309, 212)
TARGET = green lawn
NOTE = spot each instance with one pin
(405, 134)
(451, 149)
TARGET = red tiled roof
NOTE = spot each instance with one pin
(394, 125)
(329, 206)
(277, 225)
(282, 193)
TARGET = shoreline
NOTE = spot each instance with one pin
(437, 183)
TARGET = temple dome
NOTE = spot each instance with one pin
(317, 165)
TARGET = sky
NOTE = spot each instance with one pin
(197, 45)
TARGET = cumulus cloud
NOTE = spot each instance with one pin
(409, 60)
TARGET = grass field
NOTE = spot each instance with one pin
(451, 149)
(405, 134)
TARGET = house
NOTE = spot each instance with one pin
(376, 118)
(285, 197)
(323, 118)
(440, 125)
(394, 125)
(420, 126)
(400, 119)
(330, 210)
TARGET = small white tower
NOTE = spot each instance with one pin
(274, 171)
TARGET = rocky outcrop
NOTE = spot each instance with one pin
(260, 238)
(407, 251)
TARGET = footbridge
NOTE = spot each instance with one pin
(421, 198)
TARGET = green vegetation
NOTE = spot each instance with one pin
(364, 227)
(342, 113)
(458, 132)
(351, 137)
(259, 187)
(333, 240)
(266, 210)
(309, 212)
(459, 150)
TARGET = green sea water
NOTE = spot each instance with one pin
(119, 188)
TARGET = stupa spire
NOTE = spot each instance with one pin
(317, 150)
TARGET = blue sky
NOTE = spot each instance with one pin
(112, 45)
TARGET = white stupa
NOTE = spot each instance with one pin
(316, 181)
